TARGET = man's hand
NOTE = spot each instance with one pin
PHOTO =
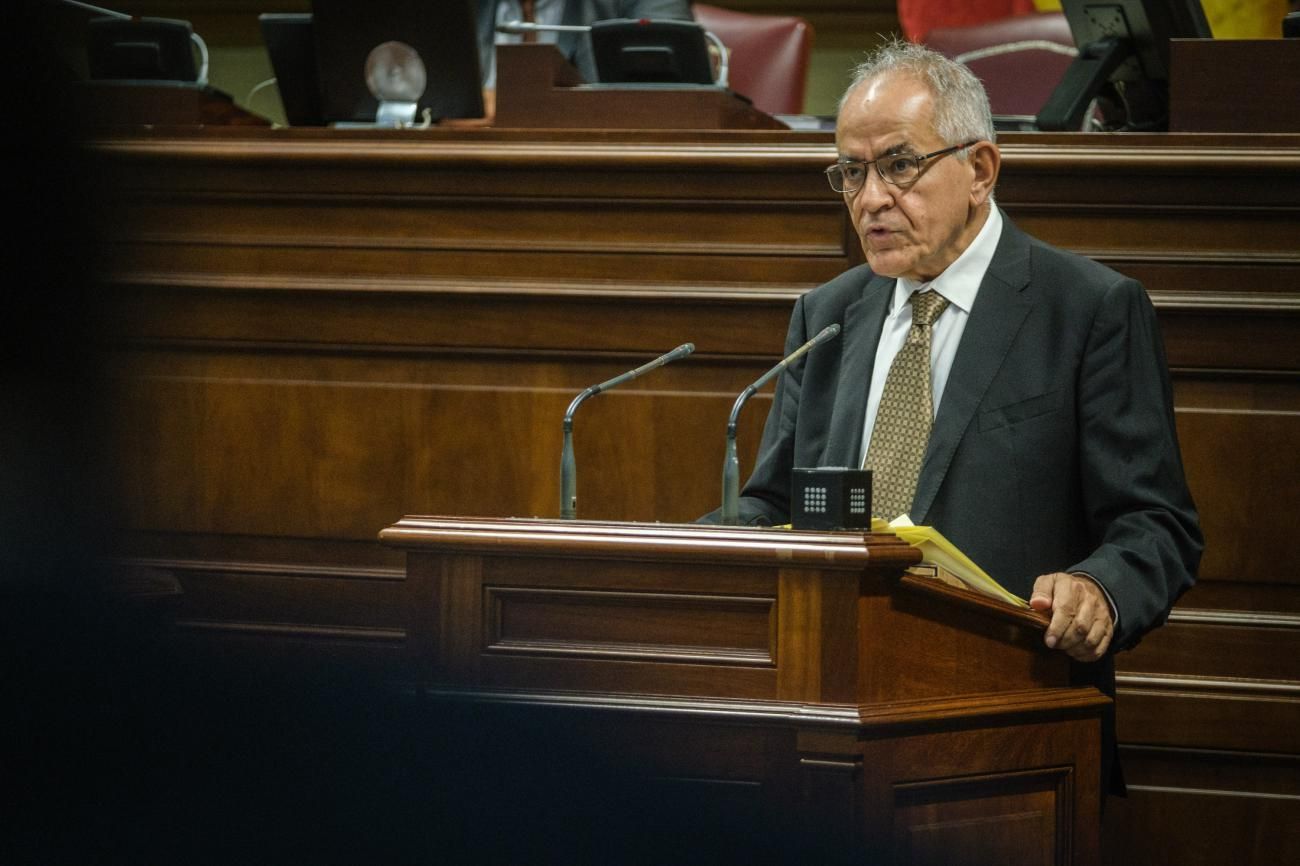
(1081, 624)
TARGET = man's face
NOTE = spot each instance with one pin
(918, 230)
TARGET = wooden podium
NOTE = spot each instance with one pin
(797, 689)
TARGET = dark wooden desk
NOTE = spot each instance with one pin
(317, 332)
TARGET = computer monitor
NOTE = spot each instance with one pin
(641, 51)
(140, 49)
(1123, 63)
(414, 52)
(291, 44)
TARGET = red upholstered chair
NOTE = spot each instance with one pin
(1020, 59)
(769, 55)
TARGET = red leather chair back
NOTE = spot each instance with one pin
(1020, 59)
(769, 55)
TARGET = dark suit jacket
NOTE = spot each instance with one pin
(1054, 446)
(577, 46)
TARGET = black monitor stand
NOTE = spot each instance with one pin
(1083, 82)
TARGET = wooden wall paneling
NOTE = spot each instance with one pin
(1154, 824)
(351, 316)
(214, 192)
(1209, 643)
(281, 617)
(1246, 800)
(1217, 254)
(1240, 459)
(354, 441)
(315, 332)
(1199, 715)
(505, 208)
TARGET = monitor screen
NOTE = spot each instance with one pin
(292, 48)
(397, 51)
(1123, 63)
(638, 51)
(140, 49)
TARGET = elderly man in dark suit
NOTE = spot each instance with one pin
(1046, 447)
(575, 46)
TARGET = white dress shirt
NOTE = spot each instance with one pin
(959, 283)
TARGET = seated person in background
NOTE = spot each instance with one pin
(1012, 395)
(575, 46)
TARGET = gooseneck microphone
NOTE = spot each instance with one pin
(98, 10)
(730, 463)
(519, 28)
(568, 467)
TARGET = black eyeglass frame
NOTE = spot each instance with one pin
(920, 165)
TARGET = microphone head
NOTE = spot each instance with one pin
(829, 331)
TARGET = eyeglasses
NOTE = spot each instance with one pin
(900, 169)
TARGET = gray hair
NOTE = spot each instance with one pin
(961, 107)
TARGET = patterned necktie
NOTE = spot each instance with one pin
(905, 415)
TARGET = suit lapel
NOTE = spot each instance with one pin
(863, 321)
(1000, 309)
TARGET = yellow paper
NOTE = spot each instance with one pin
(937, 550)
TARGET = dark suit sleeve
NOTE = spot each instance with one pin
(1135, 497)
(765, 501)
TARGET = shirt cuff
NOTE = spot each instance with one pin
(1114, 611)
